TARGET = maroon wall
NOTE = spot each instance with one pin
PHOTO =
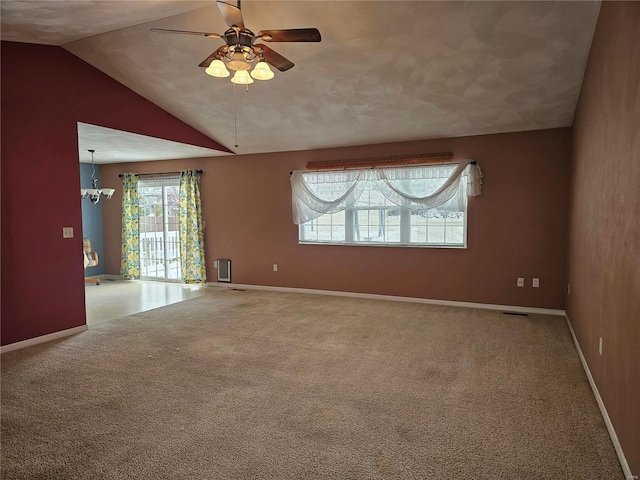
(604, 252)
(45, 92)
(516, 228)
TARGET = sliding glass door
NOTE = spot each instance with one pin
(159, 241)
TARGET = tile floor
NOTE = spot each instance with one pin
(119, 298)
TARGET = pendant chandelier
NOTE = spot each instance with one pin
(94, 193)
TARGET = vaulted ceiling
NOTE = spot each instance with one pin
(385, 71)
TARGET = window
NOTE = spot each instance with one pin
(402, 206)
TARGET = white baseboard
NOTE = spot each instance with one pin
(603, 410)
(374, 296)
(42, 339)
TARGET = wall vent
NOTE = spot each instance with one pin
(224, 270)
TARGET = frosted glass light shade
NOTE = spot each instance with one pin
(242, 78)
(217, 68)
(238, 62)
(108, 192)
(262, 71)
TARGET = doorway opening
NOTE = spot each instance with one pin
(159, 229)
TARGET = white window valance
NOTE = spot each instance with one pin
(440, 186)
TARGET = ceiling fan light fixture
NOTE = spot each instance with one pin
(262, 71)
(241, 77)
(217, 68)
(240, 49)
(238, 62)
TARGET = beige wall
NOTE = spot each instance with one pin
(516, 228)
(604, 253)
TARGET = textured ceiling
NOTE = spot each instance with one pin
(59, 22)
(385, 71)
(115, 146)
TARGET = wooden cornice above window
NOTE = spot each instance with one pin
(423, 159)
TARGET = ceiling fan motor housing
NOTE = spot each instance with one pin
(239, 40)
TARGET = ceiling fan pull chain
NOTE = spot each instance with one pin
(235, 114)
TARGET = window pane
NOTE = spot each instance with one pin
(435, 228)
(327, 228)
(392, 220)
(309, 231)
(377, 225)
(159, 229)
(455, 228)
(418, 226)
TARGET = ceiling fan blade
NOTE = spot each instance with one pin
(291, 35)
(232, 14)
(274, 58)
(187, 32)
(217, 54)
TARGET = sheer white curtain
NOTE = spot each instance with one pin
(317, 193)
(424, 187)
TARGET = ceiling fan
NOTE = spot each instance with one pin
(240, 49)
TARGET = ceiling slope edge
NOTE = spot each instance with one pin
(108, 103)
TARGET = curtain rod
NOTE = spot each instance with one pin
(157, 174)
(422, 158)
(414, 165)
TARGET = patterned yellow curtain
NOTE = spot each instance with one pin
(130, 260)
(191, 229)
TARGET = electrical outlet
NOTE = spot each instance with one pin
(67, 232)
(600, 346)
(275, 267)
(215, 264)
(536, 282)
(520, 282)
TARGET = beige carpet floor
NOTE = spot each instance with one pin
(253, 385)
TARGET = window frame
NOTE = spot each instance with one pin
(162, 183)
(405, 229)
